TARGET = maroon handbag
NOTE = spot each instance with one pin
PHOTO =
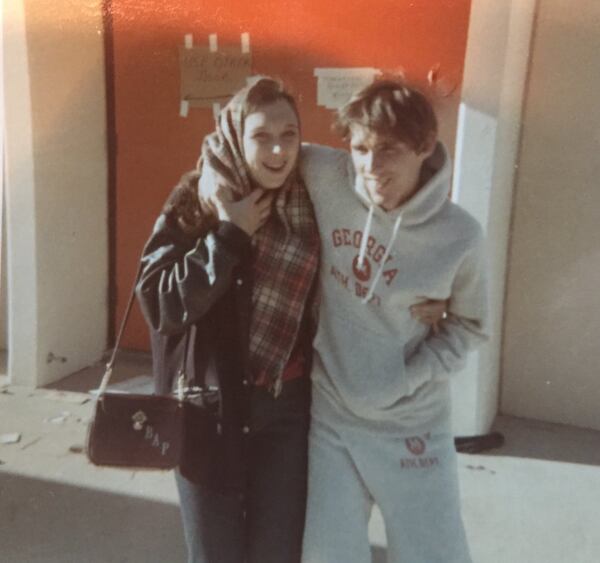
(143, 431)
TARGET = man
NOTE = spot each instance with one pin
(381, 404)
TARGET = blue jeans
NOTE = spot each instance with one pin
(265, 522)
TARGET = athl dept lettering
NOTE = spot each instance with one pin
(357, 288)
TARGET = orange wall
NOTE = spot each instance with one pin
(288, 40)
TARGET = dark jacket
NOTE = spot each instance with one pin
(202, 284)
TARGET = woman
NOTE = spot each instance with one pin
(238, 265)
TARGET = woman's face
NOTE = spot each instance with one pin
(271, 143)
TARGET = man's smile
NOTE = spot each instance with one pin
(377, 184)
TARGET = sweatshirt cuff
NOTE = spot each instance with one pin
(236, 239)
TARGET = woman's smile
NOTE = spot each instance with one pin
(275, 167)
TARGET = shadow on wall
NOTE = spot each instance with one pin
(45, 522)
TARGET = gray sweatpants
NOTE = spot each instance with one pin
(413, 480)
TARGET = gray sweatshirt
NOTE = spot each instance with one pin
(371, 357)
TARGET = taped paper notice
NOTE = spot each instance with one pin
(188, 41)
(212, 77)
(335, 86)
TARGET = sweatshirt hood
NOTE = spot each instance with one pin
(427, 201)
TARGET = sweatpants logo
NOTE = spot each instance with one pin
(417, 446)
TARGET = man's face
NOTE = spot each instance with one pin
(390, 168)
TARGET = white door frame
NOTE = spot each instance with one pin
(489, 125)
(56, 192)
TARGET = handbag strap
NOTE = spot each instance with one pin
(181, 376)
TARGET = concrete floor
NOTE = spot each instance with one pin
(535, 500)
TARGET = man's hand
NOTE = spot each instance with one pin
(430, 311)
(249, 213)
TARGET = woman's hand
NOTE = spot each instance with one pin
(249, 213)
(430, 311)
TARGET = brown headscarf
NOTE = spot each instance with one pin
(286, 247)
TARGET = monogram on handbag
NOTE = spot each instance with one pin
(144, 431)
